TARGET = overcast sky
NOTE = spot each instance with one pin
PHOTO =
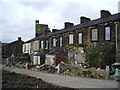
(17, 18)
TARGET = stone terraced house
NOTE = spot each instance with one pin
(69, 43)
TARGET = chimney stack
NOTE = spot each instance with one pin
(105, 13)
(84, 19)
(37, 21)
(19, 38)
(41, 29)
(68, 24)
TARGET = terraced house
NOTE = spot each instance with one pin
(70, 42)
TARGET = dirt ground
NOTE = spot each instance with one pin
(13, 80)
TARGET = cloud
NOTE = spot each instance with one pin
(18, 18)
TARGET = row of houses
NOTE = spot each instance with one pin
(70, 42)
(13, 50)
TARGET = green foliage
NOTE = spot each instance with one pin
(101, 56)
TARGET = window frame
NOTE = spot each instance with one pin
(54, 42)
(96, 34)
(105, 33)
(41, 44)
(79, 38)
(71, 37)
(46, 44)
(61, 41)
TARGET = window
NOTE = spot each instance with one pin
(71, 39)
(37, 45)
(46, 45)
(24, 47)
(54, 41)
(41, 44)
(28, 47)
(80, 38)
(107, 33)
(61, 42)
(70, 56)
(94, 34)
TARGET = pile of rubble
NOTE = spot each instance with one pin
(46, 68)
(66, 69)
(82, 72)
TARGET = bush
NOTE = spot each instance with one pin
(100, 56)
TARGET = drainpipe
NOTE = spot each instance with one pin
(116, 33)
(50, 44)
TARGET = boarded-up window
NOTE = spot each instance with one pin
(41, 44)
(107, 33)
(61, 42)
(94, 34)
(54, 42)
(80, 38)
(71, 39)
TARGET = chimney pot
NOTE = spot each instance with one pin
(37, 21)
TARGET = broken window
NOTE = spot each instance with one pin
(107, 33)
(94, 34)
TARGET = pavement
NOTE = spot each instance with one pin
(67, 81)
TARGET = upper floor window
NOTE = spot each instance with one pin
(80, 38)
(54, 41)
(24, 45)
(61, 43)
(28, 47)
(46, 45)
(94, 34)
(107, 33)
(71, 39)
(41, 44)
(36, 45)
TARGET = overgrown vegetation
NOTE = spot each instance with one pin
(100, 56)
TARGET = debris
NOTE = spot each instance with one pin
(47, 68)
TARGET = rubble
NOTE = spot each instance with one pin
(46, 68)
(82, 71)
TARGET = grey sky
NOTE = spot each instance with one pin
(18, 18)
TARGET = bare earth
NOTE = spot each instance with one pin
(61, 81)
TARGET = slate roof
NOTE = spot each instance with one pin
(42, 53)
(4, 44)
(56, 51)
(112, 18)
